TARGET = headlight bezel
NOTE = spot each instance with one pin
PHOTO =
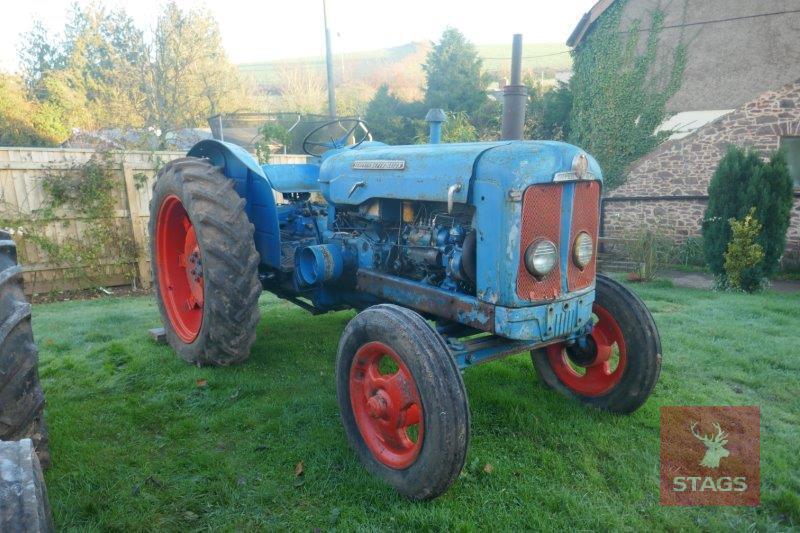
(531, 256)
(579, 250)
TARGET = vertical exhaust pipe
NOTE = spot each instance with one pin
(435, 118)
(515, 96)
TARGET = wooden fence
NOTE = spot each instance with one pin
(22, 172)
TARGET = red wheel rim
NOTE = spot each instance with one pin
(601, 375)
(180, 269)
(386, 405)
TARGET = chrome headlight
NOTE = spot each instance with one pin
(582, 250)
(541, 257)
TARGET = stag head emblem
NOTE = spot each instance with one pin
(715, 446)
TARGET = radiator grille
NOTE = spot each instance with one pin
(585, 217)
(541, 219)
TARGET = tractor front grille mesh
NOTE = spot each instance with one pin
(585, 217)
(541, 219)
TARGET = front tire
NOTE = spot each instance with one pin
(204, 263)
(402, 401)
(620, 370)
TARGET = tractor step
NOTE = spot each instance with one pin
(158, 335)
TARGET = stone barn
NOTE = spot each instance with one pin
(740, 86)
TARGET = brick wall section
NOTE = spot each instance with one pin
(683, 168)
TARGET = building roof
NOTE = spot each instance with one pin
(733, 50)
(586, 21)
(685, 123)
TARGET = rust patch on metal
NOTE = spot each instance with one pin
(459, 308)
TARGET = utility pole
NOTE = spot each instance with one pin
(329, 63)
(515, 95)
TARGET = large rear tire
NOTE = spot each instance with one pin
(21, 396)
(402, 401)
(619, 370)
(204, 263)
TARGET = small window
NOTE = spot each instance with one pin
(791, 146)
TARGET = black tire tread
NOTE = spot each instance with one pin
(445, 386)
(641, 376)
(230, 261)
(21, 396)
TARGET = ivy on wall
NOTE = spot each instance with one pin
(86, 193)
(620, 90)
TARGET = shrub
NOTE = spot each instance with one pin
(651, 250)
(392, 120)
(744, 254)
(271, 133)
(690, 252)
(771, 192)
(457, 129)
(743, 181)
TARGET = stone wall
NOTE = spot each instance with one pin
(679, 171)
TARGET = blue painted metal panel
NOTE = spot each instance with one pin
(545, 322)
(293, 178)
(564, 246)
(251, 184)
(429, 171)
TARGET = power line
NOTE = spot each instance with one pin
(531, 57)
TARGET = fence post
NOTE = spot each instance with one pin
(136, 226)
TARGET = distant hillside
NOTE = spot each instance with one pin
(401, 66)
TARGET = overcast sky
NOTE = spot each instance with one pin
(273, 29)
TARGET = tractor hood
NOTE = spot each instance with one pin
(426, 172)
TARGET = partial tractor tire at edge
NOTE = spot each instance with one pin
(21, 396)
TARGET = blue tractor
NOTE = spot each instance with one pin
(453, 254)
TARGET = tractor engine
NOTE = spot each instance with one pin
(419, 241)
(425, 243)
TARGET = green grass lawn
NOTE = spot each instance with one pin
(142, 440)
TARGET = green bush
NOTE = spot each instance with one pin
(743, 254)
(690, 252)
(392, 120)
(743, 181)
(271, 133)
(456, 129)
(651, 250)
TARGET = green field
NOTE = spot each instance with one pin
(143, 441)
(537, 57)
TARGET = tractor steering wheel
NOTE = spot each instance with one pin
(318, 141)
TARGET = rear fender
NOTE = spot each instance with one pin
(252, 184)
